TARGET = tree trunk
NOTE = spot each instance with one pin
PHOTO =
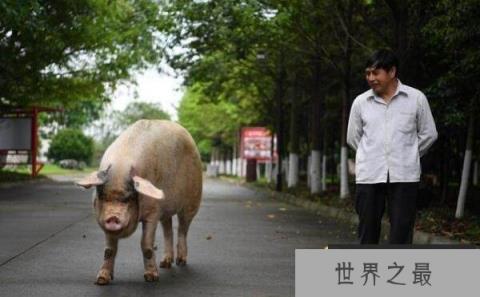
(475, 173)
(445, 171)
(399, 9)
(292, 170)
(344, 189)
(268, 171)
(228, 164)
(279, 109)
(324, 172)
(316, 177)
(221, 169)
(234, 156)
(244, 167)
(294, 143)
(467, 160)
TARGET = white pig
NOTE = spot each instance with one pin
(151, 172)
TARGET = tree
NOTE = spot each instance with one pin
(73, 53)
(213, 124)
(455, 37)
(71, 144)
(140, 110)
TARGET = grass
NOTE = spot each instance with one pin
(8, 176)
(23, 172)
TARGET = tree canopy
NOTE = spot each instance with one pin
(73, 53)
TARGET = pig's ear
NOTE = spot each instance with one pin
(96, 178)
(146, 188)
(91, 180)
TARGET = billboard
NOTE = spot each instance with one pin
(15, 134)
(256, 143)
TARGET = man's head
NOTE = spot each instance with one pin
(381, 70)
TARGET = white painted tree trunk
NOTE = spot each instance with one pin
(324, 172)
(222, 164)
(292, 180)
(234, 160)
(285, 168)
(309, 171)
(217, 158)
(239, 167)
(234, 166)
(259, 175)
(228, 165)
(268, 171)
(344, 191)
(244, 167)
(475, 173)
(467, 161)
(212, 157)
(315, 169)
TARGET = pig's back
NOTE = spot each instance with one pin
(164, 153)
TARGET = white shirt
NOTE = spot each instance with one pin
(390, 138)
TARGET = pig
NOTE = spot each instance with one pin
(150, 173)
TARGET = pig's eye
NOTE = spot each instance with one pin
(125, 199)
(128, 198)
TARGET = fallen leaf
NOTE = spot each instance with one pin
(282, 209)
(271, 216)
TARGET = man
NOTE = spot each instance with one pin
(390, 127)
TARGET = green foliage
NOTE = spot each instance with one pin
(73, 53)
(212, 123)
(140, 110)
(71, 144)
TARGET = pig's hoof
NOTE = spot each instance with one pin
(166, 263)
(181, 262)
(150, 276)
(104, 277)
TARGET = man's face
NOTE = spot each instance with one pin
(379, 79)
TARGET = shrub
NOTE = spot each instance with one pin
(71, 144)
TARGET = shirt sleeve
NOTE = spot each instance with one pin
(426, 130)
(355, 128)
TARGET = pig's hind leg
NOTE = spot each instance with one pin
(183, 226)
(105, 274)
(168, 241)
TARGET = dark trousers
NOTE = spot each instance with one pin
(400, 199)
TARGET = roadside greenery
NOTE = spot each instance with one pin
(71, 144)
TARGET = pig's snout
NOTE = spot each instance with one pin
(113, 223)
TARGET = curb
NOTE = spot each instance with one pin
(419, 237)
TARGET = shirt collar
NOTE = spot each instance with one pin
(401, 88)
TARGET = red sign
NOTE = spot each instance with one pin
(256, 143)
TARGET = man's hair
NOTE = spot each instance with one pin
(383, 59)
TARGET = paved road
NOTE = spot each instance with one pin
(241, 243)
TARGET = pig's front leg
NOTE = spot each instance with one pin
(105, 275)
(148, 239)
